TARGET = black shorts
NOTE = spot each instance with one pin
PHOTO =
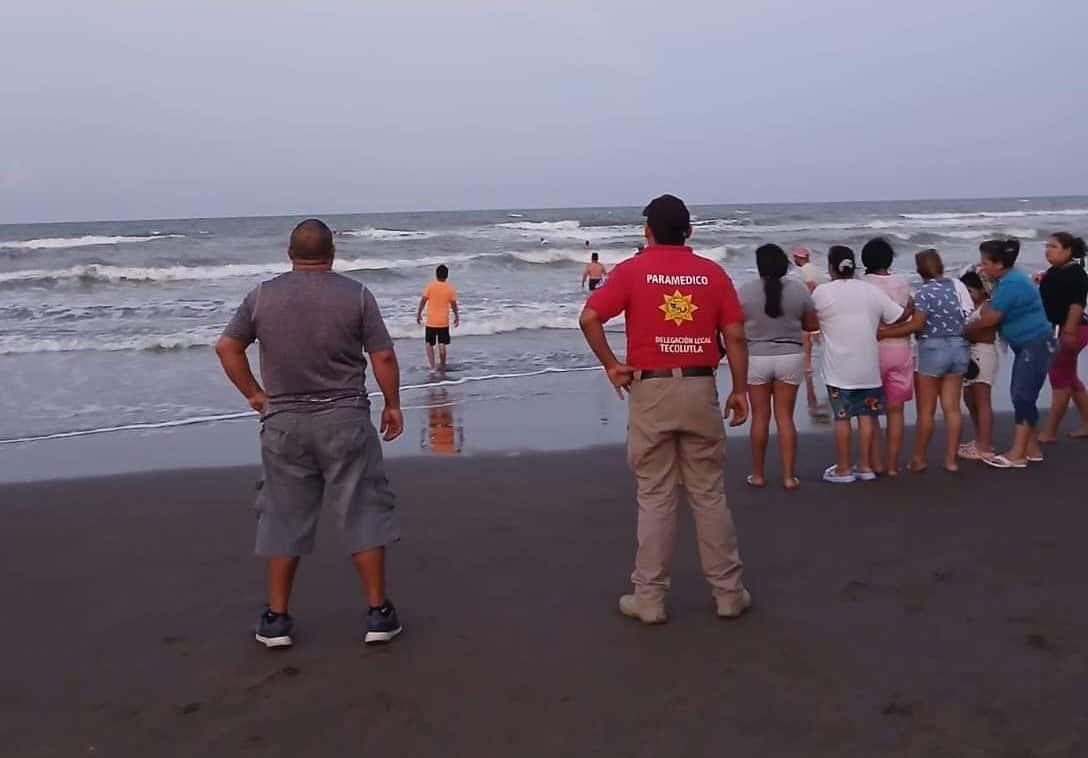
(594, 284)
(437, 334)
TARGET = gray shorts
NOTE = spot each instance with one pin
(768, 369)
(329, 457)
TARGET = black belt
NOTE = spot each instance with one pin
(668, 373)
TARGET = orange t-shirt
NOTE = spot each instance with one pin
(439, 296)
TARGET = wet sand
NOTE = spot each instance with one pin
(937, 615)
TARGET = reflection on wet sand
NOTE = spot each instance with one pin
(443, 435)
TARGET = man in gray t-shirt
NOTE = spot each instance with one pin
(318, 445)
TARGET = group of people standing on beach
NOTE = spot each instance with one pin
(865, 324)
(316, 330)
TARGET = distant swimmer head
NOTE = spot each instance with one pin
(841, 262)
(587, 243)
(1063, 247)
(311, 242)
(997, 256)
(877, 256)
(801, 255)
(442, 273)
(594, 257)
(668, 221)
(929, 264)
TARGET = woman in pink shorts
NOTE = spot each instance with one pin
(896, 359)
(1064, 289)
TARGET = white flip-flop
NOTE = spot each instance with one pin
(1000, 461)
(831, 476)
(865, 476)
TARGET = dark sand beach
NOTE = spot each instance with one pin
(934, 616)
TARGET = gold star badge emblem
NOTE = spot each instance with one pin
(678, 308)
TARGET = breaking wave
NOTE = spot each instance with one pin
(89, 240)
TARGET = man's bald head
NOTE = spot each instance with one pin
(311, 241)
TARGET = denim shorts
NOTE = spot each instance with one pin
(939, 356)
(851, 403)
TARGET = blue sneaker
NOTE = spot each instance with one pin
(274, 629)
(382, 624)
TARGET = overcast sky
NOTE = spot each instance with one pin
(144, 108)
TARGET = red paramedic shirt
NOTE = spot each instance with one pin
(675, 302)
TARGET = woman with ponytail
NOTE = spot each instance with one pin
(850, 311)
(1017, 311)
(1064, 289)
(777, 313)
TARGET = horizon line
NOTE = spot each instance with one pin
(1027, 198)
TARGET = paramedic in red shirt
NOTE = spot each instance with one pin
(675, 304)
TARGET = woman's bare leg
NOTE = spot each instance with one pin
(760, 398)
(984, 437)
(785, 400)
(953, 418)
(927, 389)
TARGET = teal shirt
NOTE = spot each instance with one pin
(1022, 315)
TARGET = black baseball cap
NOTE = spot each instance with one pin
(667, 216)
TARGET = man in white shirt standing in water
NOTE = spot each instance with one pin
(812, 278)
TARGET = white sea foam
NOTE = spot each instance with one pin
(17, 344)
(506, 319)
(106, 273)
(388, 235)
(975, 216)
(720, 224)
(93, 272)
(556, 317)
(566, 255)
(542, 227)
(209, 419)
(567, 229)
(89, 240)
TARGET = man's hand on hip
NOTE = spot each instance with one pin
(258, 401)
(736, 408)
(392, 423)
(621, 375)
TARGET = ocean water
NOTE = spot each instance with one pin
(110, 324)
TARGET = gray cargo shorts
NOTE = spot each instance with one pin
(330, 457)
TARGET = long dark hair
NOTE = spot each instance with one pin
(772, 263)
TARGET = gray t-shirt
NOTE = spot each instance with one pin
(312, 328)
(774, 336)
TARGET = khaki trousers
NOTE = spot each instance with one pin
(676, 438)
